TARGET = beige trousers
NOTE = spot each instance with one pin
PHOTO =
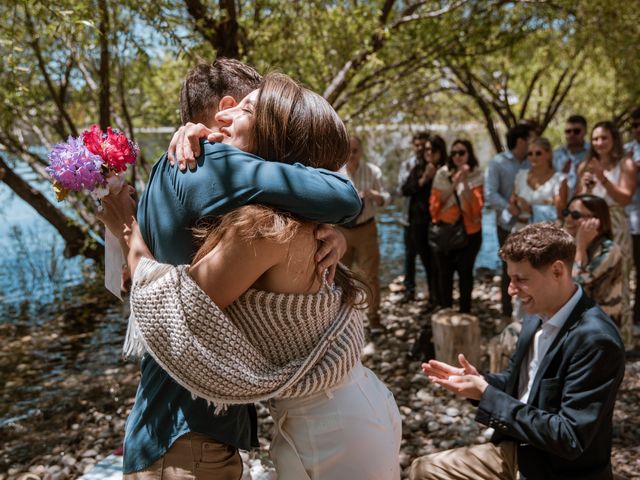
(480, 462)
(194, 457)
(363, 256)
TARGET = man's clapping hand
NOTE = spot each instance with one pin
(464, 381)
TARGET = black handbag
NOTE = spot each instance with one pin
(445, 237)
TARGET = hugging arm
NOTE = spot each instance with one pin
(228, 178)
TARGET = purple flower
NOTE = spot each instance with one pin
(74, 167)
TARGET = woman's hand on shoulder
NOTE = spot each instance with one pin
(185, 144)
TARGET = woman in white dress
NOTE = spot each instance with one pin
(284, 335)
(539, 193)
(610, 174)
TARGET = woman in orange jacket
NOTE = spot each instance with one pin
(457, 190)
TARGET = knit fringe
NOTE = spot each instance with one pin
(146, 271)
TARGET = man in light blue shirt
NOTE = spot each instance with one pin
(633, 209)
(499, 179)
(566, 158)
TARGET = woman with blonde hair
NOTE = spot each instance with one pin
(251, 320)
(539, 192)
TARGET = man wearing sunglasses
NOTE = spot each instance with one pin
(633, 209)
(567, 157)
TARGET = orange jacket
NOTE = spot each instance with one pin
(449, 213)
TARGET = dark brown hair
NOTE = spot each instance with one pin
(600, 210)
(291, 124)
(541, 244)
(438, 145)
(617, 151)
(207, 83)
(472, 161)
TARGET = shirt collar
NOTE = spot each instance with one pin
(558, 319)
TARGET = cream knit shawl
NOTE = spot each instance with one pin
(266, 345)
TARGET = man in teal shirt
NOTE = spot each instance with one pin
(170, 207)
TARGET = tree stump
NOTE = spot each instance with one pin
(502, 346)
(455, 333)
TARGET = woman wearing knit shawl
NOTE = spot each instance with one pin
(251, 319)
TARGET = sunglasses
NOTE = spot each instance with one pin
(574, 131)
(536, 154)
(573, 213)
(635, 124)
(458, 153)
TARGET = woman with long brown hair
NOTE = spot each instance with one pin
(610, 174)
(284, 335)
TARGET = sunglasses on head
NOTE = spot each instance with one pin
(574, 131)
(537, 153)
(458, 153)
(573, 213)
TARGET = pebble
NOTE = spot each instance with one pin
(452, 412)
(434, 419)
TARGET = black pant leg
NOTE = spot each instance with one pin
(464, 265)
(445, 266)
(409, 260)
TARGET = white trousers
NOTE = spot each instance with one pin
(351, 431)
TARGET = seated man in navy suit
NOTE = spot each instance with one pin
(552, 407)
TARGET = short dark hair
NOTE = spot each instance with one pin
(438, 145)
(600, 210)
(207, 83)
(635, 114)
(522, 130)
(472, 161)
(421, 135)
(577, 119)
(541, 244)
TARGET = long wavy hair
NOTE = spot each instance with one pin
(292, 125)
(617, 150)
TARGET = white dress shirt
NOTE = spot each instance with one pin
(541, 342)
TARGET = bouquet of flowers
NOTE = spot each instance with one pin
(87, 163)
(92, 162)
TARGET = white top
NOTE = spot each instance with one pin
(368, 176)
(600, 191)
(544, 196)
(542, 340)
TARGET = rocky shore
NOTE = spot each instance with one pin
(81, 410)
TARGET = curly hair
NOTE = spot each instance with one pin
(541, 244)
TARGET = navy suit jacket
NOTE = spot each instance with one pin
(564, 430)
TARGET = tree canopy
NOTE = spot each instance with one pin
(76, 62)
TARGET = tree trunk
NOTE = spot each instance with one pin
(104, 92)
(78, 241)
(455, 333)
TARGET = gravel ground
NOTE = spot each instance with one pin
(80, 417)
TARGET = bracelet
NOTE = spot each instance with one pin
(605, 181)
